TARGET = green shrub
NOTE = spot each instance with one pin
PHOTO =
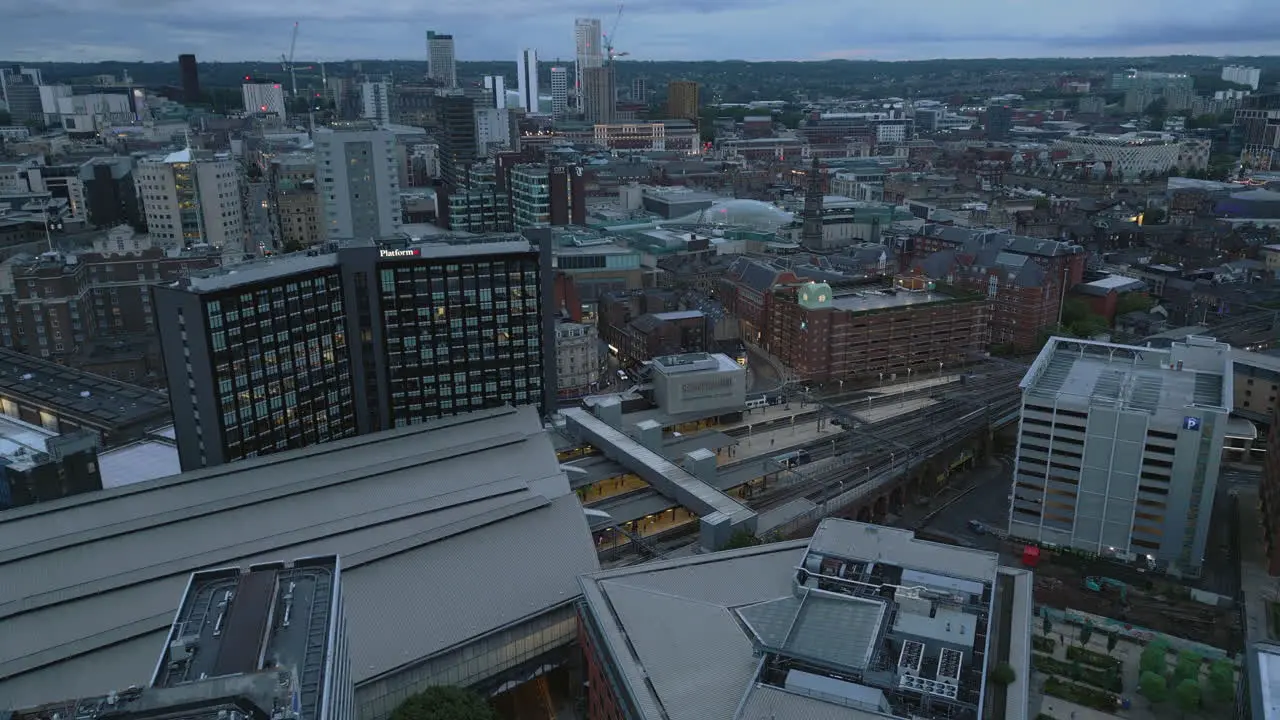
(1093, 657)
(1081, 694)
(1039, 643)
(1105, 679)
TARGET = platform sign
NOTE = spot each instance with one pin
(1190, 423)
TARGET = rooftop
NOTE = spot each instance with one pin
(86, 397)
(95, 575)
(1195, 374)
(227, 623)
(884, 299)
(137, 462)
(840, 627)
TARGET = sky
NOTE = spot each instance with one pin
(230, 30)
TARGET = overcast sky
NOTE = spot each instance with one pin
(229, 30)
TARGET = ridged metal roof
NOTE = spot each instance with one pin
(447, 515)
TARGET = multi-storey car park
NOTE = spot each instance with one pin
(1119, 448)
(860, 622)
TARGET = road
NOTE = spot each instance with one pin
(980, 494)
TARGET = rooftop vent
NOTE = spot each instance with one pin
(85, 393)
(27, 376)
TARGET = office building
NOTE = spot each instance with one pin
(295, 202)
(20, 88)
(190, 73)
(263, 97)
(600, 100)
(481, 205)
(191, 197)
(1119, 448)
(1258, 123)
(442, 66)
(375, 102)
(493, 131)
(495, 89)
(857, 623)
(543, 196)
(998, 122)
(588, 43)
(640, 90)
(302, 350)
(682, 100)
(1141, 88)
(580, 360)
(110, 194)
(359, 177)
(527, 80)
(86, 617)
(37, 465)
(1242, 75)
(457, 137)
(559, 92)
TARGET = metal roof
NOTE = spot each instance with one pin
(770, 703)
(874, 543)
(138, 462)
(449, 515)
(704, 676)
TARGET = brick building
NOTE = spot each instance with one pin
(746, 290)
(1025, 280)
(639, 326)
(908, 327)
(92, 310)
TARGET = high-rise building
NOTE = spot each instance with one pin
(457, 117)
(20, 88)
(589, 44)
(190, 73)
(263, 97)
(998, 122)
(1119, 448)
(527, 71)
(303, 349)
(559, 92)
(191, 197)
(359, 177)
(375, 101)
(110, 195)
(600, 97)
(682, 100)
(640, 90)
(1258, 123)
(1242, 75)
(493, 130)
(495, 88)
(442, 65)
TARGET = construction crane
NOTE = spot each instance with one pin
(608, 39)
(286, 63)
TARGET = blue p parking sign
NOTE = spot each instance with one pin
(1190, 423)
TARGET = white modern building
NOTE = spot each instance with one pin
(1242, 75)
(1131, 154)
(375, 101)
(698, 382)
(442, 65)
(495, 86)
(357, 173)
(263, 98)
(588, 41)
(1119, 448)
(191, 197)
(559, 91)
(527, 73)
(493, 129)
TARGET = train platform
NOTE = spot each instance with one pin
(914, 385)
(646, 526)
(886, 412)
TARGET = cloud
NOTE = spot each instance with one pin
(653, 29)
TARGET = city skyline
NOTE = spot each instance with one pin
(128, 30)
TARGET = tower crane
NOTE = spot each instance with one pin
(609, 54)
(286, 63)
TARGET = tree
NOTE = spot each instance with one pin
(1153, 658)
(1004, 674)
(742, 539)
(1153, 687)
(1133, 302)
(444, 703)
(1154, 216)
(1187, 696)
(1048, 626)
(1086, 633)
(1188, 668)
(1222, 681)
(1112, 640)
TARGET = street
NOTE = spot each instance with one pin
(980, 494)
